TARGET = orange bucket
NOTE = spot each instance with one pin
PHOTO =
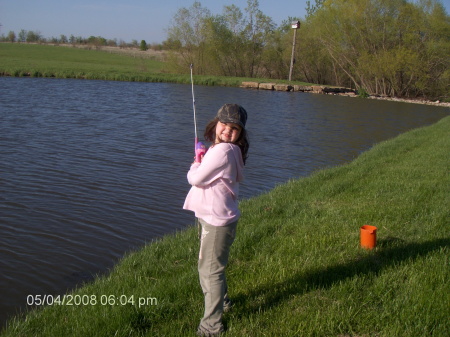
(368, 236)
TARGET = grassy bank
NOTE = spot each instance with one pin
(65, 62)
(32, 60)
(296, 268)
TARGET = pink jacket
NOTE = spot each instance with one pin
(215, 185)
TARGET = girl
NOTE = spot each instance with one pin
(213, 198)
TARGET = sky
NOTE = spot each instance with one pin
(125, 20)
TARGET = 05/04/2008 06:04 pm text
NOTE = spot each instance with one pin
(84, 300)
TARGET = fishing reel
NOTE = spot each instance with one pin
(200, 150)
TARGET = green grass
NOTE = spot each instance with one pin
(296, 268)
(32, 60)
(65, 62)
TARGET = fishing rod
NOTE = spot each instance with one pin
(199, 147)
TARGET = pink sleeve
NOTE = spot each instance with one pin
(211, 168)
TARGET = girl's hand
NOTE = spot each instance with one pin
(195, 159)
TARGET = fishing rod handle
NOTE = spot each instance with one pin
(200, 150)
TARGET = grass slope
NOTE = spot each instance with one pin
(32, 60)
(63, 62)
(296, 268)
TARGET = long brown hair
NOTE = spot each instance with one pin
(242, 141)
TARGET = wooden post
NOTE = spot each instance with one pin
(295, 25)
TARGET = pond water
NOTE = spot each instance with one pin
(90, 170)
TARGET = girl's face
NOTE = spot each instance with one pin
(227, 132)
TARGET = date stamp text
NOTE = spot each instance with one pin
(85, 300)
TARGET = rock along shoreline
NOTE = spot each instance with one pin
(316, 89)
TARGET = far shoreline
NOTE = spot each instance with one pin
(380, 98)
(41, 70)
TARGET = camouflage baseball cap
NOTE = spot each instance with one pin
(232, 113)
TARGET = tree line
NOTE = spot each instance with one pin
(29, 36)
(381, 47)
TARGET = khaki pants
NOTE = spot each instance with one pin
(215, 243)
